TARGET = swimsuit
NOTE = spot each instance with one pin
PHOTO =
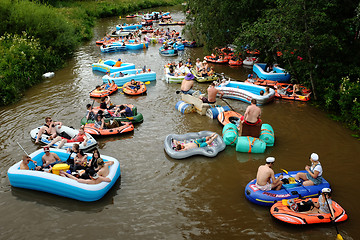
(266, 187)
(201, 142)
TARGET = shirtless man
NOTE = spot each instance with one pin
(49, 128)
(203, 142)
(212, 92)
(25, 161)
(252, 113)
(49, 159)
(187, 84)
(264, 174)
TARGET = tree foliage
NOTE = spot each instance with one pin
(316, 41)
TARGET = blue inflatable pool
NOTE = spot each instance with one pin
(108, 66)
(288, 191)
(62, 186)
(278, 74)
(128, 75)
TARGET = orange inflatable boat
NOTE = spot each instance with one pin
(229, 117)
(125, 127)
(235, 63)
(132, 90)
(104, 92)
(289, 97)
(281, 210)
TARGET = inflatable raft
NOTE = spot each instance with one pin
(103, 93)
(245, 92)
(203, 79)
(108, 66)
(128, 26)
(90, 144)
(210, 151)
(137, 118)
(216, 60)
(281, 211)
(168, 52)
(278, 74)
(132, 90)
(229, 117)
(249, 61)
(126, 127)
(62, 186)
(175, 79)
(120, 78)
(288, 191)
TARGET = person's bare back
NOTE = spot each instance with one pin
(263, 175)
(212, 92)
(252, 114)
(186, 85)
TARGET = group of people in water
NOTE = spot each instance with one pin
(266, 181)
(80, 167)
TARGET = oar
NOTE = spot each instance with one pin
(26, 153)
(22, 148)
(338, 236)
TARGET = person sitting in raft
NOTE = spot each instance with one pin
(49, 159)
(90, 113)
(280, 90)
(80, 137)
(48, 128)
(202, 142)
(267, 91)
(106, 103)
(80, 160)
(262, 93)
(189, 63)
(124, 111)
(118, 63)
(134, 85)
(25, 161)
(101, 124)
(187, 84)
(268, 67)
(212, 92)
(251, 116)
(103, 170)
(265, 178)
(314, 172)
(198, 64)
(94, 177)
(323, 204)
(297, 91)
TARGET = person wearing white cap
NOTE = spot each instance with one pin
(322, 206)
(265, 179)
(313, 176)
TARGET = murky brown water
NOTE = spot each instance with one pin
(158, 197)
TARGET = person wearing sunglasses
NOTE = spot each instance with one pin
(49, 128)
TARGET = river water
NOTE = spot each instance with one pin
(158, 197)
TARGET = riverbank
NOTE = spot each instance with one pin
(38, 38)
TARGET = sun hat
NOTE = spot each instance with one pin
(326, 190)
(270, 159)
(189, 76)
(46, 149)
(314, 157)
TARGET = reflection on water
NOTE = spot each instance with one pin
(162, 198)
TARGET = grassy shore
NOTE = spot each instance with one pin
(38, 37)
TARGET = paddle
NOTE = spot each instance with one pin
(338, 236)
(26, 153)
(22, 148)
